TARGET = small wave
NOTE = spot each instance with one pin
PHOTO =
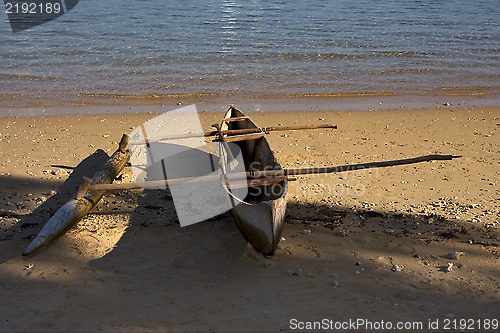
(299, 56)
(344, 95)
(71, 52)
(464, 88)
(26, 77)
(464, 91)
(148, 96)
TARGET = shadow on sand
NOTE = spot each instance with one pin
(160, 276)
(204, 277)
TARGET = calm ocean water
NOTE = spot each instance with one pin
(251, 49)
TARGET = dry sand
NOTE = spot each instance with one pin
(129, 266)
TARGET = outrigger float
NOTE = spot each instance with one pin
(260, 215)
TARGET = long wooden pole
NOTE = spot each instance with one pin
(237, 179)
(240, 131)
(353, 167)
(273, 173)
(271, 129)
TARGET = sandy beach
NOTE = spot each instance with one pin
(415, 244)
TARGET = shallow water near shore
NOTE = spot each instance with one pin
(103, 52)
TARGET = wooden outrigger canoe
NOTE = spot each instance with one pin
(260, 215)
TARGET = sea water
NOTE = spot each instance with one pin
(252, 49)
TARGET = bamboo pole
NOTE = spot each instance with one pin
(273, 173)
(240, 131)
(235, 177)
(271, 129)
(353, 167)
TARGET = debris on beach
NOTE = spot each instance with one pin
(60, 173)
(342, 233)
(268, 263)
(294, 272)
(454, 255)
(397, 268)
(390, 231)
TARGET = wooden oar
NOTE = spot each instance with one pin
(272, 173)
(238, 132)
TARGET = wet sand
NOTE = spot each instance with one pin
(371, 245)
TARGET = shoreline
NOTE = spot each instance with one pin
(344, 233)
(457, 97)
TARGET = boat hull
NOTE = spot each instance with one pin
(261, 215)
